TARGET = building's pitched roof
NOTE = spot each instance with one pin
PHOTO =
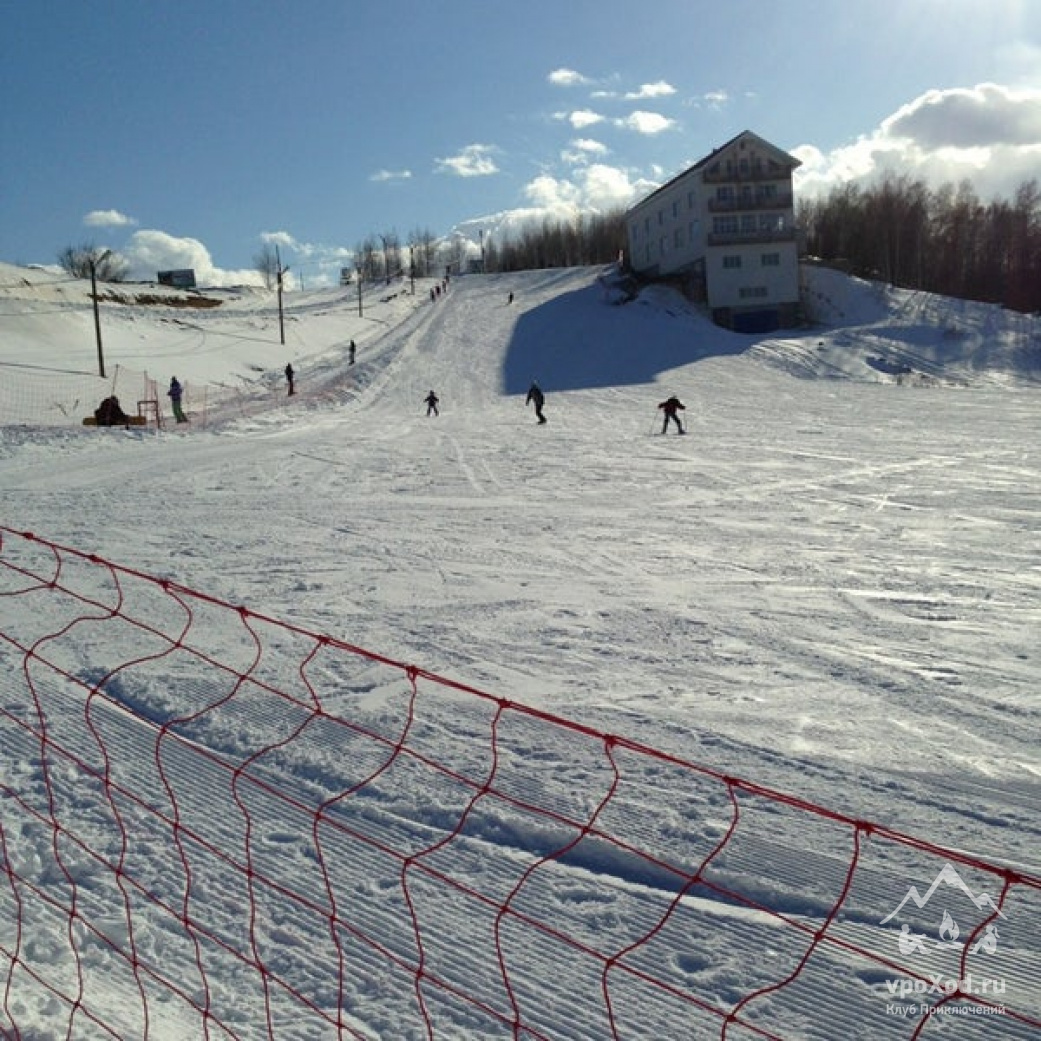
(783, 157)
(786, 160)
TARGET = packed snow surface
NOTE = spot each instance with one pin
(831, 586)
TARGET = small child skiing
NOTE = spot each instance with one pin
(671, 407)
(431, 402)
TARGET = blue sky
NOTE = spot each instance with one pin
(189, 133)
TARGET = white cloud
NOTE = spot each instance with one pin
(149, 251)
(472, 161)
(582, 149)
(390, 175)
(988, 134)
(582, 118)
(646, 122)
(280, 238)
(985, 116)
(567, 78)
(595, 187)
(660, 89)
(108, 219)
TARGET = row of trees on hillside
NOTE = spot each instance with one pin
(587, 239)
(941, 240)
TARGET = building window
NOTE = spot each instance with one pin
(691, 200)
(771, 259)
(675, 209)
(771, 222)
(748, 222)
(725, 193)
(693, 231)
(724, 225)
(752, 292)
(732, 261)
(647, 226)
(661, 217)
(663, 245)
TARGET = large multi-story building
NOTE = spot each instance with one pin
(727, 227)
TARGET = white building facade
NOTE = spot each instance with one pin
(727, 227)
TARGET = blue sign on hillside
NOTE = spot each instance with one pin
(180, 279)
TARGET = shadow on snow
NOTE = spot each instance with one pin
(581, 340)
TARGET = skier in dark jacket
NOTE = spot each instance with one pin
(536, 397)
(671, 407)
(431, 402)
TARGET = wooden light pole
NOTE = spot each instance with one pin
(281, 320)
(93, 261)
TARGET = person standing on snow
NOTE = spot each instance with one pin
(431, 402)
(289, 380)
(175, 393)
(536, 397)
(671, 407)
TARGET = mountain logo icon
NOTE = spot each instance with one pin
(948, 876)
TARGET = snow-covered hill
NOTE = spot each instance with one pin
(830, 586)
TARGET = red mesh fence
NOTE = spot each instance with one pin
(217, 825)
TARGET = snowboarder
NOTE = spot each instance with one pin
(351, 351)
(536, 397)
(672, 406)
(431, 402)
(289, 380)
(175, 393)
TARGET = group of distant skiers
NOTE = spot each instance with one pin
(109, 412)
(671, 407)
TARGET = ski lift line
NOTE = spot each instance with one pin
(71, 308)
(47, 368)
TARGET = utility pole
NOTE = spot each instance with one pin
(281, 320)
(93, 262)
(412, 271)
(358, 269)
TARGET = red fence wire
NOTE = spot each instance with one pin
(215, 824)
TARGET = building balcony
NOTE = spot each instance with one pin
(774, 202)
(733, 176)
(745, 238)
